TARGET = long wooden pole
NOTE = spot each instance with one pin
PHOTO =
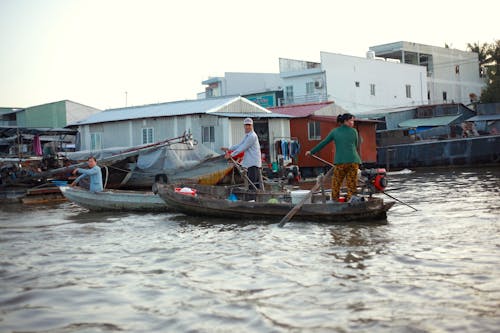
(122, 155)
(296, 208)
(243, 173)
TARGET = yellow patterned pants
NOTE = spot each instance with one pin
(349, 172)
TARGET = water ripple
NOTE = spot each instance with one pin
(64, 269)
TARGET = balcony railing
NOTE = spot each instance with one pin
(303, 99)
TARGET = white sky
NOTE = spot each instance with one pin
(94, 51)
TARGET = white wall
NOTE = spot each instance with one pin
(442, 74)
(76, 111)
(459, 85)
(245, 83)
(390, 81)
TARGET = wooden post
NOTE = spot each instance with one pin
(261, 180)
(322, 188)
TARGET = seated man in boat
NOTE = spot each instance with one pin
(94, 172)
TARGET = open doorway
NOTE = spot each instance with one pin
(261, 127)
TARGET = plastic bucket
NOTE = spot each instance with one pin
(298, 195)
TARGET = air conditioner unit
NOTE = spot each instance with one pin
(318, 84)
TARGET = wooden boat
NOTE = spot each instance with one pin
(43, 195)
(114, 200)
(230, 202)
(40, 194)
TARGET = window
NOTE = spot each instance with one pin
(314, 130)
(408, 91)
(147, 135)
(289, 93)
(372, 89)
(445, 96)
(310, 88)
(356, 84)
(95, 141)
(207, 134)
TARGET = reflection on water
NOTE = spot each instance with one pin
(64, 269)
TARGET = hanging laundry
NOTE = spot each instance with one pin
(37, 146)
(294, 148)
(284, 149)
(277, 148)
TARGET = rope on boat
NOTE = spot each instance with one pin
(107, 174)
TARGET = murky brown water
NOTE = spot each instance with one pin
(63, 269)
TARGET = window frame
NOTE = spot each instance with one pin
(95, 140)
(148, 133)
(408, 90)
(310, 88)
(316, 129)
(211, 134)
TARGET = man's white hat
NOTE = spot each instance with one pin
(248, 121)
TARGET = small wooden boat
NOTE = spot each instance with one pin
(43, 195)
(109, 200)
(230, 202)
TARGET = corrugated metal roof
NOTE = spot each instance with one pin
(300, 110)
(250, 115)
(380, 113)
(434, 121)
(178, 108)
(485, 117)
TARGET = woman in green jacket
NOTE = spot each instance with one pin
(346, 159)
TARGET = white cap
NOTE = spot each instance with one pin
(248, 121)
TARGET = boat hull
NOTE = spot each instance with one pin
(373, 209)
(114, 200)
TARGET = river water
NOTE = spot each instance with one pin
(64, 269)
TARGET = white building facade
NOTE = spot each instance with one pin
(353, 83)
(214, 123)
(237, 83)
(453, 76)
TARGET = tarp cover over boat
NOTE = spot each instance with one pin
(176, 160)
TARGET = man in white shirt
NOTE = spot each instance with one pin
(252, 160)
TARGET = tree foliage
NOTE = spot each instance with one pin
(489, 58)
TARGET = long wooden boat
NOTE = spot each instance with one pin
(230, 202)
(114, 200)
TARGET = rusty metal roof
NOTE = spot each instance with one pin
(300, 110)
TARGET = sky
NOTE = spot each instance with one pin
(116, 53)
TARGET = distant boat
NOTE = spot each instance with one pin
(114, 200)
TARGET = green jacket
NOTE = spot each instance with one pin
(346, 144)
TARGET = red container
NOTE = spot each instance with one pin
(185, 191)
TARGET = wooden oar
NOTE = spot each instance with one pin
(296, 208)
(242, 172)
(404, 203)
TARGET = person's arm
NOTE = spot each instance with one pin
(89, 172)
(245, 144)
(323, 143)
(75, 182)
